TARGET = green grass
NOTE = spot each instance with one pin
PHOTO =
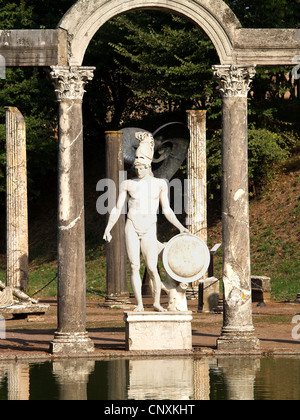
(278, 259)
(39, 277)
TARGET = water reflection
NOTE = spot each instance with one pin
(160, 379)
(239, 375)
(244, 378)
(17, 376)
(73, 377)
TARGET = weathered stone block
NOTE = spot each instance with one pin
(261, 289)
(25, 310)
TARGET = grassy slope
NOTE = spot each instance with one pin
(275, 234)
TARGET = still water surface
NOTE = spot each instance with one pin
(159, 379)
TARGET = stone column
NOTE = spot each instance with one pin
(238, 331)
(116, 255)
(71, 336)
(196, 174)
(16, 200)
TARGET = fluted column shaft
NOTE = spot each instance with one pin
(196, 173)
(16, 200)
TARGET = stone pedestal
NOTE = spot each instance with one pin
(158, 330)
(238, 331)
(71, 336)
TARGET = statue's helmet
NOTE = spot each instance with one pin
(145, 151)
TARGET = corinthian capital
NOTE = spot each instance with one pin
(69, 82)
(234, 81)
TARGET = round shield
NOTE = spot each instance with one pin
(186, 258)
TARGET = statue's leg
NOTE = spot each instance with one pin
(150, 253)
(133, 252)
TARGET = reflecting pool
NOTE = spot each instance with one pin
(222, 378)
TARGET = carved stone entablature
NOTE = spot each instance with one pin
(69, 82)
(234, 81)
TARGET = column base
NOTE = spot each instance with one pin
(71, 343)
(238, 340)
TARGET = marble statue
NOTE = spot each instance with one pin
(145, 194)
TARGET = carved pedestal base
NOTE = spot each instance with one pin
(71, 343)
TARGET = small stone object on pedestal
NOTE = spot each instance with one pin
(154, 331)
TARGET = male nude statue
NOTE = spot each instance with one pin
(145, 194)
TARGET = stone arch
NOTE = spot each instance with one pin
(84, 19)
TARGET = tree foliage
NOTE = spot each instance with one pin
(266, 14)
(151, 62)
(166, 56)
